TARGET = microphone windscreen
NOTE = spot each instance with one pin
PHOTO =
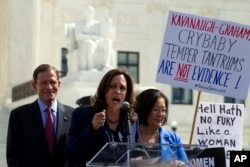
(125, 106)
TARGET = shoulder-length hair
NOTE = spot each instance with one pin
(100, 102)
(145, 101)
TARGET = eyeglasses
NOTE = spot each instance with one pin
(157, 110)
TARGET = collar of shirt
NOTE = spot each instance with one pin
(43, 107)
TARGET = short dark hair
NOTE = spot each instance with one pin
(42, 68)
(103, 88)
(145, 101)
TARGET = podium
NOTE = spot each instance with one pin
(119, 154)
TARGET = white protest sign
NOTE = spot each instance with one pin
(205, 54)
(219, 125)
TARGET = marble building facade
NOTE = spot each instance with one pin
(33, 32)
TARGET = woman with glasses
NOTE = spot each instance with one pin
(152, 109)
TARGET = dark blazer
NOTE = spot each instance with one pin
(26, 140)
(84, 142)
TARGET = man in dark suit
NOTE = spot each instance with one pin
(27, 141)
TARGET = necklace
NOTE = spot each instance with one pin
(150, 144)
(149, 140)
(113, 122)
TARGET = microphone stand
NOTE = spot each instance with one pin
(130, 147)
(128, 134)
(128, 128)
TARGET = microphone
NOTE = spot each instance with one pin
(135, 151)
(126, 107)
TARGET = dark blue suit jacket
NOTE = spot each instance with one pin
(84, 142)
(26, 140)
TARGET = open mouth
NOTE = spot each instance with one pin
(116, 100)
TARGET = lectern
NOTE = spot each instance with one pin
(118, 154)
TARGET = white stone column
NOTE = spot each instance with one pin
(4, 34)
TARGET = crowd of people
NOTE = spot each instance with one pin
(47, 133)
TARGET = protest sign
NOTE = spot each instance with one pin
(205, 54)
(209, 157)
(219, 125)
